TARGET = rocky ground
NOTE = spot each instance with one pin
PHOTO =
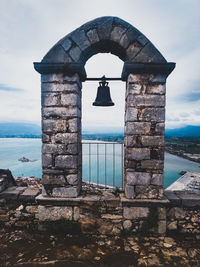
(23, 248)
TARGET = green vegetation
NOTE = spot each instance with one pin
(186, 147)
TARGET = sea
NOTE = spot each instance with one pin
(107, 170)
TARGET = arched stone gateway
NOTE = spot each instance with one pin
(145, 71)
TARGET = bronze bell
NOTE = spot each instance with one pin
(103, 98)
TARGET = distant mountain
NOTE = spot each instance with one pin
(103, 130)
(16, 129)
(188, 131)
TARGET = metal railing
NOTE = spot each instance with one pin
(102, 163)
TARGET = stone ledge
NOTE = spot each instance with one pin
(147, 68)
(173, 198)
(143, 202)
(189, 199)
(183, 198)
(88, 199)
(12, 193)
(67, 68)
(29, 195)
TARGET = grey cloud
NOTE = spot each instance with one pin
(193, 92)
(4, 87)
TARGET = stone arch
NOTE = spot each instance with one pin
(145, 71)
(104, 35)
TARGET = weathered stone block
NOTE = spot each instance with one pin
(117, 33)
(53, 171)
(145, 192)
(138, 153)
(157, 78)
(50, 99)
(47, 161)
(176, 213)
(72, 149)
(136, 128)
(76, 214)
(12, 193)
(152, 164)
(130, 35)
(6, 179)
(53, 77)
(131, 114)
(104, 28)
(129, 191)
(133, 88)
(160, 128)
(54, 126)
(32, 209)
(146, 100)
(74, 125)
(139, 178)
(137, 78)
(53, 179)
(93, 36)
(130, 163)
(127, 224)
(152, 114)
(57, 55)
(66, 161)
(61, 112)
(66, 44)
(130, 141)
(47, 213)
(73, 179)
(61, 87)
(71, 100)
(80, 39)
(147, 54)
(124, 41)
(45, 138)
(172, 226)
(133, 50)
(142, 40)
(72, 191)
(152, 141)
(53, 149)
(67, 138)
(162, 226)
(157, 153)
(75, 53)
(131, 213)
(161, 213)
(72, 79)
(157, 179)
(156, 89)
(29, 194)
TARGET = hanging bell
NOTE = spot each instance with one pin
(103, 98)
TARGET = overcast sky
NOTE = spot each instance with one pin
(29, 28)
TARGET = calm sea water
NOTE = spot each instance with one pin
(11, 149)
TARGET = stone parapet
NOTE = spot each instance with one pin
(99, 211)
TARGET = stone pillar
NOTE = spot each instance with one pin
(61, 135)
(144, 131)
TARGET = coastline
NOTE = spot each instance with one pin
(182, 155)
